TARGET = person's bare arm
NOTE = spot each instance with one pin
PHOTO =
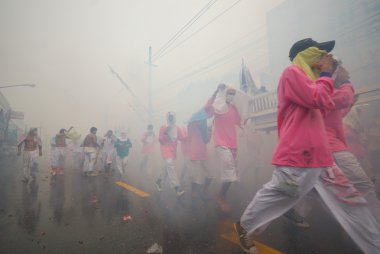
(19, 147)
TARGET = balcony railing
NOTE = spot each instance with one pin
(263, 107)
(263, 111)
(264, 102)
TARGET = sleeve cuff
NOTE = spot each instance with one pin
(325, 74)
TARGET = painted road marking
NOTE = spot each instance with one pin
(133, 189)
(229, 234)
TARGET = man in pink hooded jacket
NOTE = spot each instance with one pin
(302, 157)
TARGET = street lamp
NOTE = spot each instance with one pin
(29, 85)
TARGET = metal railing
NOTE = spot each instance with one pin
(264, 102)
(263, 107)
(263, 111)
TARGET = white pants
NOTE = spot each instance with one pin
(107, 157)
(227, 157)
(58, 157)
(350, 166)
(30, 163)
(89, 160)
(348, 163)
(199, 172)
(121, 163)
(289, 185)
(169, 172)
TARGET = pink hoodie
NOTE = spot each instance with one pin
(301, 131)
(167, 146)
(343, 99)
(197, 147)
(224, 125)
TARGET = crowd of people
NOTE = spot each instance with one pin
(314, 96)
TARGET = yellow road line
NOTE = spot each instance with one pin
(262, 247)
(228, 233)
(133, 189)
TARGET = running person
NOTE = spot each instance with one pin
(149, 140)
(32, 149)
(122, 145)
(59, 151)
(90, 148)
(302, 157)
(226, 119)
(108, 150)
(169, 135)
(198, 138)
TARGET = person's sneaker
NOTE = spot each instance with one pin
(158, 186)
(60, 171)
(296, 219)
(53, 172)
(180, 193)
(245, 242)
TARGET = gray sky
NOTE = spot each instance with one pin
(65, 48)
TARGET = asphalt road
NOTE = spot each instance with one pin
(77, 214)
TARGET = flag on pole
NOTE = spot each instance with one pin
(247, 84)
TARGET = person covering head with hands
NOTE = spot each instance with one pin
(226, 119)
(58, 151)
(302, 157)
(344, 98)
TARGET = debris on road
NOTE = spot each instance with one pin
(127, 217)
(155, 248)
(93, 200)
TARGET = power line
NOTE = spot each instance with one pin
(185, 27)
(172, 103)
(211, 68)
(219, 50)
(225, 47)
(215, 62)
(224, 60)
(200, 29)
(238, 40)
(135, 98)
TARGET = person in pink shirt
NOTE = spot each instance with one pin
(149, 140)
(226, 119)
(169, 135)
(344, 98)
(302, 156)
(198, 138)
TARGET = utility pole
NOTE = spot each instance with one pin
(150, 115)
